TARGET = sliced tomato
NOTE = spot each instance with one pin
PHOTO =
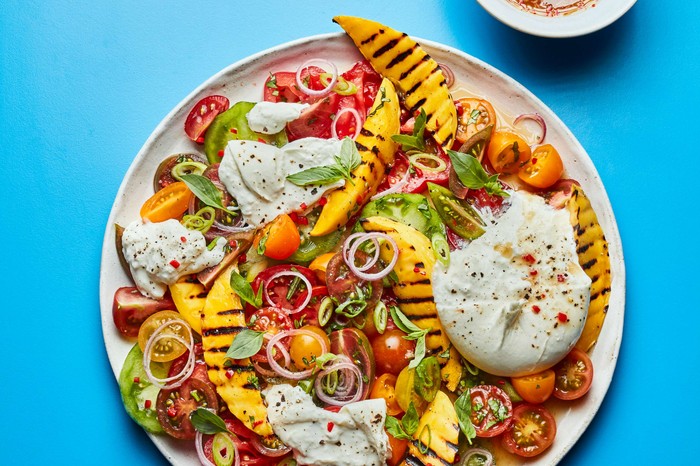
(484, 200)
(544, 168)
(164, 173)
(367, 82)
(270, 320)
(174, 406)
(532, 431)
(278, 289)
(200, 367)
(170, 202)
(243, 439)
(492, 410)
(474, 116)
(309, 316)
(164, 349)
(574, 375)
(304, 349)
(392, 352)
(535, 388)
(202, 114)
(316, 120)
(417, 178)
(385, 388)
(278, 239)
(355, 294)
(282, 85)
(398, 449)
(507, 152)
(354, 344)
(130, 309)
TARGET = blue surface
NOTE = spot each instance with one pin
(83, 83)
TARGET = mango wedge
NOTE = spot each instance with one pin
(223, 318)
(593, 256)
(414, 290)
(376, 150)
(189, 298)
(437, 434)
(415, 74)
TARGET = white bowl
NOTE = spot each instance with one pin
(585, 21)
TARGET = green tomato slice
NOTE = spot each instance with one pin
(456, 213)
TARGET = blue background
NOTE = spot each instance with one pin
(83, 83)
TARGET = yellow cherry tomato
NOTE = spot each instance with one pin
(320, 264)
(507, 152)
(279, 239)
(305, 349)
(170, 202)
(544, 167)
(164, 349)
(535, 388)
(385, 388)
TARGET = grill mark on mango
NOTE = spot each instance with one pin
(222, 330)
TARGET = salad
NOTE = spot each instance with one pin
(366, 266)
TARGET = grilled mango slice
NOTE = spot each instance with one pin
(376, 150)
(414, 290)
(189, 298)
(593, 256)
(437, 434)
(416, 75)
(223, 318)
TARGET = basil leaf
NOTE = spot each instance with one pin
(473, 117)
(393, 426)
(472, 174)
(417, 140)
(204, 189)
(349, 155)
(403, 322)
(316, 175)
(409, 422)
(244, 291)
(463, 406)
(207, 422)
(247, 343)
(419, 354)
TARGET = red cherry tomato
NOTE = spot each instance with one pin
(392, 352)
(244, 437)
(309, 316)
(271, 321)
(202, 114)
(532, 431)
(574, 375)
(200, 367)
(343, 284)
(418, 179)
(492, 410)
(130, 309)
(354, 344)
(278, 289)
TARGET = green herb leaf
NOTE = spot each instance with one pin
(413, 332)
(244, 291)
(345, 162)
(410, 420)
(247, 343)
(463, 406)
(383, 100)
(204, 189)
(473, 117)
(207, 422)
(393, 426)
(403, 322)
(419, 354)
(472, 174)
(272, 82)
(498, 409)
(417, 140)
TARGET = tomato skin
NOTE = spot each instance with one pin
(532, 431)
(507, 152)
(174, 407)
(486, 422)
(468, 125)
(164, 350)
(574, 375)
(277, 290)
(392, 351)
(535, 388)
(309, 316)
(271, 321)
(417, 181)
(320, 265)
(170, 202)
(200, 367)
(398, 450)
(202, 114)
(304, 349)
(354, 344)
(385, 388)
(279, 239)
(244, 443)
(341, 282)
(544, 168)
(130, 309)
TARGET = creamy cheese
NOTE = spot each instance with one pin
(514, 301)
(160, 253)
(256, 175)
(354, 436)
(271, 117)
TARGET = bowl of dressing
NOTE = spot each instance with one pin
(557, 18)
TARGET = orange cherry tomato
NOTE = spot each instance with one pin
(507, 152)
(477, 114)
(535, 388)
(170, 202)
(320, 264)
(279, 239)
(544, 167)
(305, 349)
(385, 387)
(398, 450)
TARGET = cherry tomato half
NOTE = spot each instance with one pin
(417, 179)
(309, 316)
(492, 410)
(270, 320)
(130, 309)
(164, 349)
(574, 375)
(385, 388)
(535, 388)
(507, 152)
(392, 352)
(532, 431)
(170, 202)
(398, 449)
(278, 239)
(200, 367)
(354, 344)
(278, 290)
(544, 167)
(343, 285)
(202, 114)
(476, 114)
(164, 173)
(175, 406)
(304, 349)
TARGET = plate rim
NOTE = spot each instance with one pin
(612, 232)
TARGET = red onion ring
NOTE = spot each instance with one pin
(395, 188)
(349, 242)
(284, 372)
(187, 369)
(350, 374)
(449, 75)
(478, 451)
(359, 271)
(288, 273)
(537, 118)
(199, 445)
(355, 114)
(267, 451)
(217, 225)
(305, 89)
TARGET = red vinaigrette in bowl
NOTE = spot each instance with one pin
(553, 7)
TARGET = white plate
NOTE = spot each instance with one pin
(244, 81)
(582, 22)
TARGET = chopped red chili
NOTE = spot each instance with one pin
(529, 258)
(330, 426)
(563, 318)
(175, 263)
(536, 309)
